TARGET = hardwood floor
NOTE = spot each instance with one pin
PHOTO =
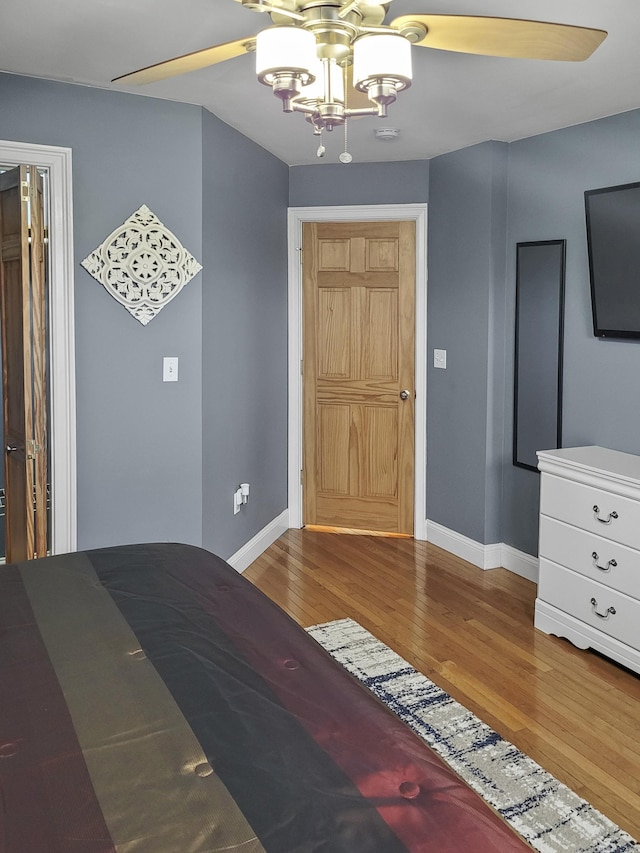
(471, 631)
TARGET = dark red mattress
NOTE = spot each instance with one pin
(154, 701)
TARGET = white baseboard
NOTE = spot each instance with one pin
(483, 556)
(249, 552)
(520, 563)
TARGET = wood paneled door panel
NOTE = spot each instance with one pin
(359, 354)
(22, 301)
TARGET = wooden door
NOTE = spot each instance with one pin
(22, 308)
(359, 355)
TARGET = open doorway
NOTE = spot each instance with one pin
(24, 264)
(56, 162)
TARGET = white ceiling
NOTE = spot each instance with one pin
(455, 100)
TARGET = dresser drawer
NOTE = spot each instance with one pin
(584, 599)
(593, 556)
(574, 503)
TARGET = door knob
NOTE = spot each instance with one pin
(10, 449)
(404, 395)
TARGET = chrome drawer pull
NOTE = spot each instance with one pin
(611, 611)
(612, 515)
(610, 565)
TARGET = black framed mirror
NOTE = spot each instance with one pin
(537, 408)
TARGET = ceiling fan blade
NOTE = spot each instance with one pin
(505, 36)
(189, 62)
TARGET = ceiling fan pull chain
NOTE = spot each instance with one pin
(345, 157)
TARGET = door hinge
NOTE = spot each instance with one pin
(299, 251)
(302, 367)
(302, 476)
(33, 449)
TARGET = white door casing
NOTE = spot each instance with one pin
(296, 217)
(62, 334)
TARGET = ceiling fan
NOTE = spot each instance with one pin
(334, 59)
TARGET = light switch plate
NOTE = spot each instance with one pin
(170, 368)
(440, 358)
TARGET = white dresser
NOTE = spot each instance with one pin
(589, 583)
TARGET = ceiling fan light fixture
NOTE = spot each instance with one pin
(382, 66)
(285, 56)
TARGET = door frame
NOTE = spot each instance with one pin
(356, 213)
(62, 374)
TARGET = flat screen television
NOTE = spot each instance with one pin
(613, 241)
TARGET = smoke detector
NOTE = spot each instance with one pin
(386, 134)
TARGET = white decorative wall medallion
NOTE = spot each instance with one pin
(142, 265)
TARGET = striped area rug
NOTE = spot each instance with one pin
(548, 814)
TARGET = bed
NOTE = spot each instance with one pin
(154, 701)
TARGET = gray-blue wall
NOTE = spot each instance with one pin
(465, 316)
(139, 440)
(141, 466)
(405, 182)
(244, 317)
(482, 201)
(548, 175)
